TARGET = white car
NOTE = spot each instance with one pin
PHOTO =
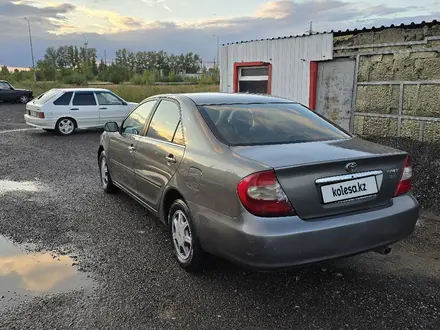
(66, 109)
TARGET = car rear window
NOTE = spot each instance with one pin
(270, 123)
(64, 99)
(45, 97)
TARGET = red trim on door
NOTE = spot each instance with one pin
(313, 84)
(238, 65)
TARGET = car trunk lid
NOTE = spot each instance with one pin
(34, 109)
(319, 181)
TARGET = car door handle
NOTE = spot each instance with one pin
(102, 108)
(171, 159)
(74, 108)
(131, 148)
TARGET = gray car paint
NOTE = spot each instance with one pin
(299, 166)
(209, 172)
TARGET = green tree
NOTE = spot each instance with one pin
(62, 60)
(46, 70)
(4, 72)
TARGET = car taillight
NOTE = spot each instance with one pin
(262, 195)
(405, 181)
(41, 115)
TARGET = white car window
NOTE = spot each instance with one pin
(84, 99)
(106, 98)
(64, 99)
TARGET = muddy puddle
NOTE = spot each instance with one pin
(25, 274)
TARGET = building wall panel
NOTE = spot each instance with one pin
(290, 59)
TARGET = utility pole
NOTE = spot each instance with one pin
(218, 47)
(86, 57)
(32, 49)
(310, 31)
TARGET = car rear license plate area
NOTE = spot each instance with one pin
(350, 189)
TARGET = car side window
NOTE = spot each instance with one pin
(106, 98)
(135, 121)
(178, 135)
(84, 99)
(4, 85)
(165, 121)
(64, 99)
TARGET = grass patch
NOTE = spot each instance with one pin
(132, 93)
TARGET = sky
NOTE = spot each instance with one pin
(181, 26)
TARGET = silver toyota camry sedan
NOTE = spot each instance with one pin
(262, 181)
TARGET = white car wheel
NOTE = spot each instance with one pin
(65, 126)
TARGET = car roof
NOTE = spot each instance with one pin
(81, 89)
(233, 98)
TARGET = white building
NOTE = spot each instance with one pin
(285, 67)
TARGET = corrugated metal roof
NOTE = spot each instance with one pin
(276, 38)
(412, 25)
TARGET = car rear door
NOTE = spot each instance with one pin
(122, 146)
(84, 109)
(111, 108)
(61, 105)
(159, 152)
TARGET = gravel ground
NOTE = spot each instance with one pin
(137, 283)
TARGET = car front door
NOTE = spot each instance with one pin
(159, 152)
(122, 146)
(7, 93)
(84, 109)
(111, 108)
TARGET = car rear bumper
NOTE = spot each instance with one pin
(272, 243)
(40, 122)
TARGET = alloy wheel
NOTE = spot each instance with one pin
(66, 126)
(104, 173)
(182, 236)
(24, 99)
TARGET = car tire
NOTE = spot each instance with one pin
(104, 174)
(181, 229)
(24, 99)
(65, 126)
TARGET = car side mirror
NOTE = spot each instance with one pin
(111, 127)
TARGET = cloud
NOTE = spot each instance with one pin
(46, 17)
(62, 23)
(153, 3)
(275, 9)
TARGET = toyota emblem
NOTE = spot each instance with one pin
(351, 167)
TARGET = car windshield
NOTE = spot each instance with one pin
(270, 123)
(5, 85)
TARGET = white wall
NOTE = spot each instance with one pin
(290, 58)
